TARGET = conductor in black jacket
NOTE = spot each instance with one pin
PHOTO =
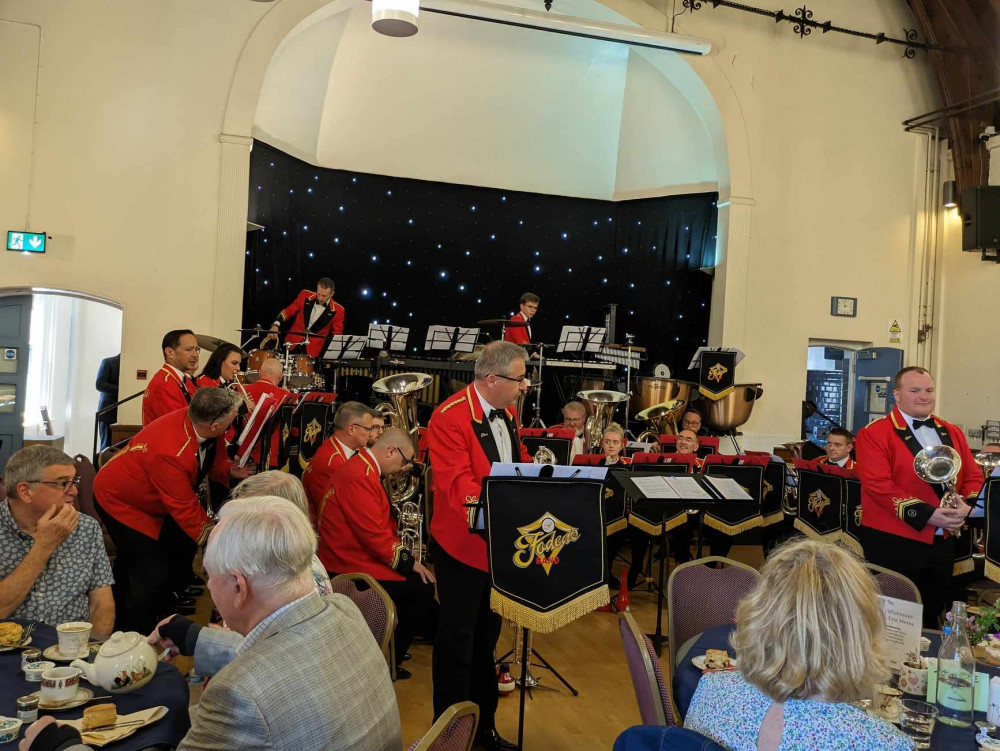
(107, 385)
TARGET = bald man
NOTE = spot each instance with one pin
(268, 382)
(357, 534)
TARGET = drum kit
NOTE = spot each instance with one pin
(300, 373)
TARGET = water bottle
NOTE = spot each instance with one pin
(956, 672)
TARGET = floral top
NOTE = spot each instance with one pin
(730, 711)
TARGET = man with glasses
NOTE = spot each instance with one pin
(467, 433)
(520, 333)
(358, 534)
(148, 495)
(378, 428)
(172, 386)
(352, 426)
(53, 565)
(575, 418)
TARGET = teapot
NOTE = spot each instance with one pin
(124, 663)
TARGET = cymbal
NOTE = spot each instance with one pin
(210, 343)
(502, 322)
(624, 347)
(252, 328)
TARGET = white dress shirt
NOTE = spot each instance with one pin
(928, 437)
(577, 447)
(348, 452)
(840, 462)
(527, 321)
(499, 429)
(317, 311)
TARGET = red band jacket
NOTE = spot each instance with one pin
(156, 475)
(462, 450)
(166, 393)
(317, 477)
(849, 464)
(356, 530)
(893, 498)
(256, 390)
(518, 334)
(329, 323)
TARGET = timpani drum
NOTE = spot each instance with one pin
(648, 391)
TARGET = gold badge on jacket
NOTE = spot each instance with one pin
(312, 431)
(542, 541)
(818, 501)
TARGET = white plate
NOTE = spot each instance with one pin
(53, 653)
(7, 649)
(699, 662)
(990, 743)
(83, 695)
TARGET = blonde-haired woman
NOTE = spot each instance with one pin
(809, 642)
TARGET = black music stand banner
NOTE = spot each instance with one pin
(851, 527)
(285, 442)
(821, 502)
(736, 519)
(771, 511)
(648, 518)
(558, 446)
(615, 507)
(992, 494)
(717, 374)
(546, 543)
(314, 420)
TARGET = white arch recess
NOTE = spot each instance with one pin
(700, 80)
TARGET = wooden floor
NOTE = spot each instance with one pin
(588, 653)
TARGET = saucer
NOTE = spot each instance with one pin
(53, 653)
(25, 643)
(699, 662)
(83, 695)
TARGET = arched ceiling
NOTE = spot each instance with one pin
(482, 104)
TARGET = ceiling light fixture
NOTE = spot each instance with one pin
(395, 18)
(950, 194)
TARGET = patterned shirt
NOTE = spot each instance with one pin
(76, 567)
(730, 711)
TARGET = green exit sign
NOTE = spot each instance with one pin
(28, 242)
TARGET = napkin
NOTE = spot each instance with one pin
(104, 737)
(993, 707)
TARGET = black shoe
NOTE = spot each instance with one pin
(491, 741)
(193, 592)
(402, 674)
(183, 610)
(182, 602)
(406, 657)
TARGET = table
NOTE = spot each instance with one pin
(686, 677)
(168, 688)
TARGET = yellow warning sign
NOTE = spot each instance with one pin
(895, 332)
(895, 328)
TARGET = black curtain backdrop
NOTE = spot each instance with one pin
(417, 253)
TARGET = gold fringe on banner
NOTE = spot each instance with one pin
(616, 526)
(991, 571)
(715, 395)
(808, 531)
(545, 623)
(732, 529)
(767, 521)
(851, 544)
(965, 566)
(654, 529)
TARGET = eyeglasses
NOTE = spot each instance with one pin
(61, 484)
(369, 429)
(523, 378)
(410, 460)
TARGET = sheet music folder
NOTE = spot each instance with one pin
(581, 339)
(389, 338)
(715, 501)
(448, 338)
(345, 347)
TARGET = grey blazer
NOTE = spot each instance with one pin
(313, 678)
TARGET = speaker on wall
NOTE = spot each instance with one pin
(981, 217)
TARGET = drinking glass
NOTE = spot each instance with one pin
(916, 719)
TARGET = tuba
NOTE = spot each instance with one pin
(940, 465)
(601, 405)
(662, 418)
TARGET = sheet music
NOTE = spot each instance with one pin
(729, 488)
(696, 360)
(439, 338)
(571, 338)
(380, 334)
(253, 428)
(688, 488)
(345, 347)
(655, 487)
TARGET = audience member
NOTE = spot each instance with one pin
(809, 641)
(296, 670)
(265, 486)
(53, 565)
(357, 534)
(352, 425)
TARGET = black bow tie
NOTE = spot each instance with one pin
(928, 423)
(495, 415)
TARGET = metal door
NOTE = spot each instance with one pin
(15, 323)
(873, 371)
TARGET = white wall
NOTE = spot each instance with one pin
(19, 65)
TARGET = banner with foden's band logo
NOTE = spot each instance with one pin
(546, 546)
(717, 374)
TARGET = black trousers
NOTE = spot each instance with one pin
(416, 609)
(463, 662)
(147, 571)
(928, 566)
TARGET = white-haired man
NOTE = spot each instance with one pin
(297, 671)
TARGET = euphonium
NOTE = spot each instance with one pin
(662, 419)
(410, 529)
(987, 462)
(601, 405)
(400, 411)
(940, 465)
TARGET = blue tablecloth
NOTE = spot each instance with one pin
(686, 676)
(168, 688)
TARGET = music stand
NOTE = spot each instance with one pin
(343, 347)
(386, 337)
(451, 339)
(581, 339)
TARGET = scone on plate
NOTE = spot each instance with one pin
(10, 633)
(717, 659)
(99, 716)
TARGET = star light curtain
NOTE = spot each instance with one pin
(417, 253)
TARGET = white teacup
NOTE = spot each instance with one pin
(60, 684)
(913, 680)
(885, 702)
(73, 638)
